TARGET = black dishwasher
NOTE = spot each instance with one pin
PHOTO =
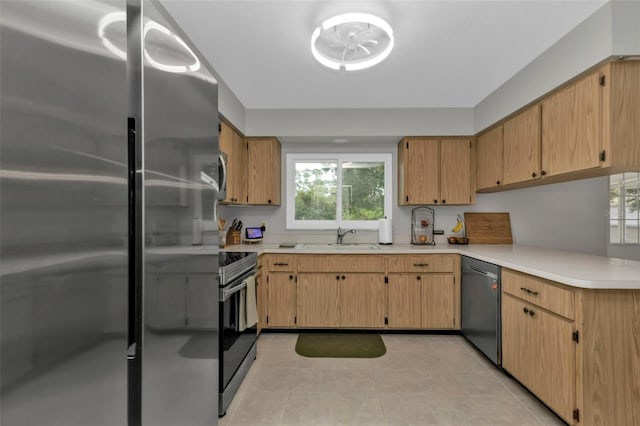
(480, 314)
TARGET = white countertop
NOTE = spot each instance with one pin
(566, 267)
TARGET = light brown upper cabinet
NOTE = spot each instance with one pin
(572, 127)
(434, 171)
(489, 166)
(455, 171)
(522, 146)
(592, 124)
(587, 128)
(263, 171)
(234, 145)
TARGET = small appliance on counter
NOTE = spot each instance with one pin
(422, 226)
(253, 234)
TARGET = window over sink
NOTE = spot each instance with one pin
(325, 191)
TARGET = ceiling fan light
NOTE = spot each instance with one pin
(339, 42)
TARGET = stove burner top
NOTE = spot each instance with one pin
(228, 257)
(235, 264)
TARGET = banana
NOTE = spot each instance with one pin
(459, 225)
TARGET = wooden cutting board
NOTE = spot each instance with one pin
(488, 228)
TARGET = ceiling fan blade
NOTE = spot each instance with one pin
(364, 48)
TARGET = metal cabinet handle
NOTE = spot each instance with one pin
(343, 277)
(528, 290)
(337, 277)
(534, 174)
(280, 264)
(420, 264)
(528, 311)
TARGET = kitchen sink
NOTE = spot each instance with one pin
(343, 246)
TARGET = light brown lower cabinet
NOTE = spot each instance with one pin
(318, 296)
(404, 301)
(362, 300)
(281, 296)
(423, 301)
(437, 301)
(577, 349)
(359, 291)
(538, 350)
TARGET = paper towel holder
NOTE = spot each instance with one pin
(385, 235)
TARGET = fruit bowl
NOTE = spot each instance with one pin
(458, 240)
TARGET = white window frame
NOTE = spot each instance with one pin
(339, 158)
(622, 219)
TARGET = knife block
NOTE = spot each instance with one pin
(233, 237)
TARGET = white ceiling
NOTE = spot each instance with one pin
(448, 53)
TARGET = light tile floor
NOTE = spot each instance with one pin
(421, 380)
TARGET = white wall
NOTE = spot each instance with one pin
(568, 216)
(586, 45)
(360, 122)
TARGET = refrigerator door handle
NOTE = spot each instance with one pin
(131, 352)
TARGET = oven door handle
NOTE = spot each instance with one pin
(227, 293)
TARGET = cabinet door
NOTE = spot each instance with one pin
(571, 127)
(455, 171)
(263, 171)
(522, 140)
(225, 140)
(517, 341)
(281, 309)
(489, 159)
(318, 298)
(362, 300)
(420, 183)
(554, 361)
(538, 350)
(404, 301)
(238, 169)
(437, 301)
(235, 147)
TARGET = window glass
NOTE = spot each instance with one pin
(315, 190)
(624, 208)
(348, 190)
(362, 190)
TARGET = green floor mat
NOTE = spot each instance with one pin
(340, 345)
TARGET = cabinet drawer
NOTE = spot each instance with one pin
(341, 263)
(281, 262)
(424, 263)
(541, 292)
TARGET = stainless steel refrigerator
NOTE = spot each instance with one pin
(108, 141)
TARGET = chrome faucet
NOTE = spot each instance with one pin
(342, 233)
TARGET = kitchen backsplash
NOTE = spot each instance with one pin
(565, 216)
